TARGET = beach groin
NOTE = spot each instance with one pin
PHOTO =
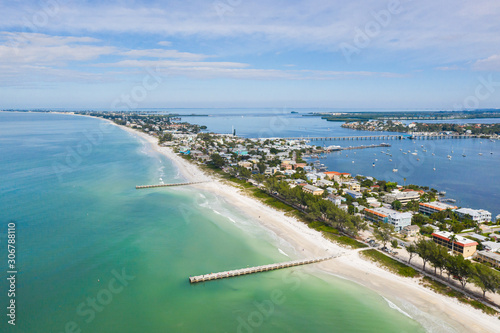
(257, 269)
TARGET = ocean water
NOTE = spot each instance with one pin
(96, 255)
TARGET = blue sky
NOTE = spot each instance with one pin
(249, 53)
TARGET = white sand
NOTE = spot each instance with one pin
(436, 312)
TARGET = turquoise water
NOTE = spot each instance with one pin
(96, 255)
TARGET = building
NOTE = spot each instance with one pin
(313, 190)
(336, 199)
(354, 194)
(403, 197)
(491, 257)
(337, 176)
(386, 215)
(477, 215)
(461, 245)
(354, 186)
(434, 207)
(410, 230)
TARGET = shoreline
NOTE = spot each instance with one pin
(428, 308)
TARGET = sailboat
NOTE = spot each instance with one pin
(463, 154)
(480, 151)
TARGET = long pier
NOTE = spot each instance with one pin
(138, 187)
(425, 136)
(257, 269)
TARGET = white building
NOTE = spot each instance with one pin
(477, 215)
(386, 215)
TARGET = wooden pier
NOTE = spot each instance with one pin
(258, 269)
(166, 185)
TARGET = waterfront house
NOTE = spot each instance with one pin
(337, 176)
(429, 208)
(403, 197)
(477, 215)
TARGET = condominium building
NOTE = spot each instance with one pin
(491, 257)
(403, 197)
(461, 245)
(434, 207)
(477, 215)
(386, 215)
(313, 190)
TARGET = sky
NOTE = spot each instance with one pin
(128, 55)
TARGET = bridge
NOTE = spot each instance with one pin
(138, 187)
(421, 136)
(257, 269)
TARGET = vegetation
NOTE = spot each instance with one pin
(391, 264)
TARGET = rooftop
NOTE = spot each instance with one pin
(458, 239)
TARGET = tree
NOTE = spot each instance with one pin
(394, 243)
(383, 233)
(486, 278)
(396, 204)
(423, 250)
(463, 269)
(262, 167)
(217, 161)
(412, 251)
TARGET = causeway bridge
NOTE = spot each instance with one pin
(257, 269)
(138, 187)
(424, 136)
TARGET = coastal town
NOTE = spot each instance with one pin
(395, 219)
(487, 131)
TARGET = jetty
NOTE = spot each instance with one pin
(257, 269)
(138, 187)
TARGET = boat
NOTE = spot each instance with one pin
(414, 153)
(442, 193)
(390, 160)
(463, 154)
(480, 154)
(434, 168)
(405, 153)
(376, 160)
(449, 156)
(394, 170)
(373, 165)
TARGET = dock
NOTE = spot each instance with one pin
(257, 269)
(138, 187)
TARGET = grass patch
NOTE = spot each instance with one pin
(344, 240)
(443, 289)
(269, 200)
(391, 264)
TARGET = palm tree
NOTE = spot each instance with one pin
(453, 238)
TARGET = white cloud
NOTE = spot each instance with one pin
(160, 53)
(492, 63)
(164, 43)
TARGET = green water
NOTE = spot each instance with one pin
(80, 223)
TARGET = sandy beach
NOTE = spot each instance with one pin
(437, 313)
